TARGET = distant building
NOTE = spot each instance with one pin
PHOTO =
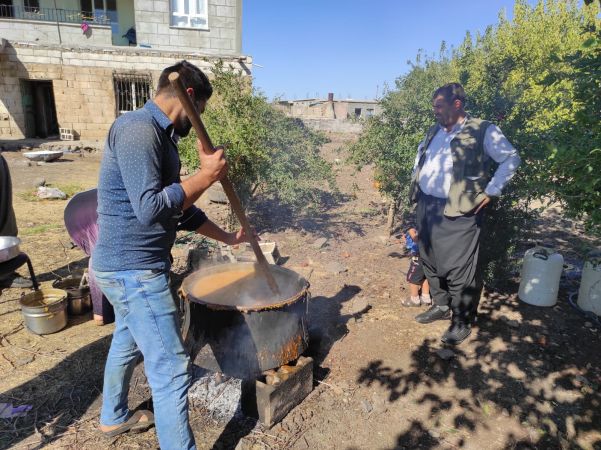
(78, 64)
(314, 108)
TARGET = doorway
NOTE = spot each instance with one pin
(39, 109)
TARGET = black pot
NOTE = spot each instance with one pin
(244, 341)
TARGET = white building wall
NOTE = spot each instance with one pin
(48, 33)
(223, 36)
(82, 80)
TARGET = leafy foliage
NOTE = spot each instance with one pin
(267, 152)
(537, 77)
(575, 159)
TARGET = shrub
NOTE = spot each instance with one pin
(267, 152)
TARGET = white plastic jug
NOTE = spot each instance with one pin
(541, 272)
(589, 295)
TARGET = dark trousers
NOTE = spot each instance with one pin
(449, 249)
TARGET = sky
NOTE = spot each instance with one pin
(307, 48)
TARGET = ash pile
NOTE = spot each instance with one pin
(217, 394)
(267, 399)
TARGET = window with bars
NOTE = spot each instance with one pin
(131, 91)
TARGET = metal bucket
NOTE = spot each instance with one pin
(244, 341)
(79, 300)
(45, 310)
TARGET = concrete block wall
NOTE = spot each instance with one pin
(47, 32)
(82, 81)
(334, 125)
(222, 37)
(315, 109)
(349, 108)
(341, 110)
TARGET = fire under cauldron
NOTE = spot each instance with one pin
(242, 333)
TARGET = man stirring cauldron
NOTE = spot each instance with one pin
(451, 186)
(141, 204)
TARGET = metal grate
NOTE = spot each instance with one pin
(131, 91)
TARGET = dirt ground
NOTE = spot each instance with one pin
(527, 377)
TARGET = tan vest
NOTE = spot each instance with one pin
(471, 168)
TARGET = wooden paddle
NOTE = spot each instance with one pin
(205, 140)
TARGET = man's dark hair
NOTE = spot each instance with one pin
(191, 76)
(450, 92)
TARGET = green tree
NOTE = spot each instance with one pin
(575, 159)
(537, 77)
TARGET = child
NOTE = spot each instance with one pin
(415, 274)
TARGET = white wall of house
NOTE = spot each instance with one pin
(83, 81)
(48, 33)
(82, 66)
(220, 34)
(338, 109)
(157, 22)
(358, 109)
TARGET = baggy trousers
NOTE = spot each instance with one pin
(449, 249)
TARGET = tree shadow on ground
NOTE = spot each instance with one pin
(269, 215)
(328, 324)
(61, 272)
(59, 397)
(541, 370)
(235, 430)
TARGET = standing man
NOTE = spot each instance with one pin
(451, 186)
(141, 203)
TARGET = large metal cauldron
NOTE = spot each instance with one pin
(239, 338)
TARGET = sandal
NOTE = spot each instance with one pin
(410, 302)
(133, 424)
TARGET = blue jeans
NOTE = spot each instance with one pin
(146, 323)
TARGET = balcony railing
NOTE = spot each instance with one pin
(52, 15)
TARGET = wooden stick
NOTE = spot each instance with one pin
(205, 140)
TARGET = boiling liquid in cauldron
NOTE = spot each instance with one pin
(241, 287)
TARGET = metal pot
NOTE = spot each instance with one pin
(45, 310)
(9, 248)
(78, 297)
(245, 340)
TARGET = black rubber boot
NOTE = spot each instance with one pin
(457, 333)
